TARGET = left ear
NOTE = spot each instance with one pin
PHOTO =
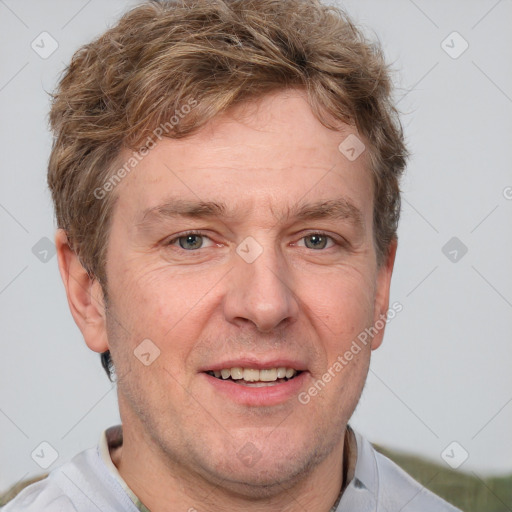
(383, 286)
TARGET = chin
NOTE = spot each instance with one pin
(266, 481)
(264, 468)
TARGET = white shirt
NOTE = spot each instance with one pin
(91, 483)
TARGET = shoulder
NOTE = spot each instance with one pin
(81, 485)
(396, 487)
(381, 482)
(41, 496)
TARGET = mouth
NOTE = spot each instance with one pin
(254, 377)
(256, 384)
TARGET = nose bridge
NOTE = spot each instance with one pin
(260, 289)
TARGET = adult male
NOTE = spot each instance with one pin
(225, 176)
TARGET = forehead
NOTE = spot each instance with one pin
(272, 155)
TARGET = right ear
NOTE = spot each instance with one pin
(84, 294)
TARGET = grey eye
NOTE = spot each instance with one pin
(191, 242)
(316, 241)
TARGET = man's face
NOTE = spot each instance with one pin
(279, 272)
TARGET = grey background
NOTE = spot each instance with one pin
(443, 372)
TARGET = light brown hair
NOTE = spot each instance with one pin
(119, 89)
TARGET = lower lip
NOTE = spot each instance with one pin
(258, 396)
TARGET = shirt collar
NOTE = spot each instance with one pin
(361, 494)
(110, 439)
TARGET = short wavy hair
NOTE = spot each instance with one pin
(161, 56)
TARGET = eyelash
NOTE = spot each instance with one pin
(200, 233)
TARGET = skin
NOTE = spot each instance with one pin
(206, 305)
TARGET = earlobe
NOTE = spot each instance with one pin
(383, 287)
(84, 294)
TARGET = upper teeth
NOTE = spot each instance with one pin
(254, 375)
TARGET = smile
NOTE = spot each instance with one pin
(257, 387)
(253, 377)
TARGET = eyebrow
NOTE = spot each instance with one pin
(336, 209)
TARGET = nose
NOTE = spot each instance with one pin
(261, 293)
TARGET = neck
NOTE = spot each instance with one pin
(163, 481)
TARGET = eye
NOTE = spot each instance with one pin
(317, 241)
(191, 241)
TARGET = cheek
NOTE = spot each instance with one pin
(154, 297)
(166, 307)
(342, 302)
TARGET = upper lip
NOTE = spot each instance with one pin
(255, 363)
